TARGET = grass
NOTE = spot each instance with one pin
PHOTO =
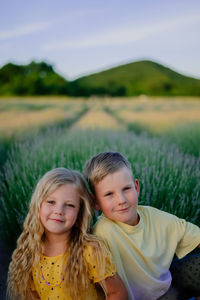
(165, 161)
(157, 115)
(19, 116)
(175, 122)
(21, 119)
(186, 136)
(169, 179)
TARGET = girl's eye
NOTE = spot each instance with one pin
(108, 194)
(70, 205)
(51, 201)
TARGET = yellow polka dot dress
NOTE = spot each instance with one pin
(48, 277)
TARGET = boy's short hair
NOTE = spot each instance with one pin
(102, 164)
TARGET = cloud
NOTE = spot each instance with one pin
(123, 35)
(37, 27)
(23, 30)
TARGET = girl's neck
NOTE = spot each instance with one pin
(55, 245)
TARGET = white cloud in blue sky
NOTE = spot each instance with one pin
(22, 30)
(80, 37)
(123, 35)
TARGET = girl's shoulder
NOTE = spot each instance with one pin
(95, 247)
(99, 260)
(89, 250)
(97, 252)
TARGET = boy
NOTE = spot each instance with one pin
(143, 240)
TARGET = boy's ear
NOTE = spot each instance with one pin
(137, 186)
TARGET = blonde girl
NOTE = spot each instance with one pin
(56, 256)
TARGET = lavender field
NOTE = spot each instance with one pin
(160, 138)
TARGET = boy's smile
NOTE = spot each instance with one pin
(117, 196)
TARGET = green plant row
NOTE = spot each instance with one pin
(7, 142)
(169, 179)
(185, 136)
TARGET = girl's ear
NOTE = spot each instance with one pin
(137, 186)
(95, 204)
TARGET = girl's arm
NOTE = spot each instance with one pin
(116, 289)
(34, 296)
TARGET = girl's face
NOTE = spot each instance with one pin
(59, 211)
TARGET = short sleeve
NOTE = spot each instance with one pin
(95, 274)
(190, 237)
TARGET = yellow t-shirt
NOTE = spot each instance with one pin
(143, 253)
(47, 277)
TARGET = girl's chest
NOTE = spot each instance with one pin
(48, 280)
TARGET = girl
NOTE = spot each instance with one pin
(56, 257)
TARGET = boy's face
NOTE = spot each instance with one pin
(117, 196)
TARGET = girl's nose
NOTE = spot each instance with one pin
(58, 210)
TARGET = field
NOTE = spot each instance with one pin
(160, 138)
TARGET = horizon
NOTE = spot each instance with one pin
(80, 39)
(106, 69)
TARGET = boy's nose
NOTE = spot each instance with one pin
(121, 199)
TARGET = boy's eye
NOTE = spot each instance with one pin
(127, 188)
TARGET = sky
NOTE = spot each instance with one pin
(82, 37)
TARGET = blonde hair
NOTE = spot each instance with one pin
(102, 164)
(30, 243)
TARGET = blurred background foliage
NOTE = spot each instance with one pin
(32, 79)
(133, 79)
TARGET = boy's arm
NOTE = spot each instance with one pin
(115, 288)
(190, 237)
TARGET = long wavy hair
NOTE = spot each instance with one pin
(30, 244)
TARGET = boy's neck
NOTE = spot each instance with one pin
(55, 245)
(137, 220)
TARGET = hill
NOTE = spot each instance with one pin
(133, 79)
(142, 77)
(32, 79)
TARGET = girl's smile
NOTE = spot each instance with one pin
(57, 220)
